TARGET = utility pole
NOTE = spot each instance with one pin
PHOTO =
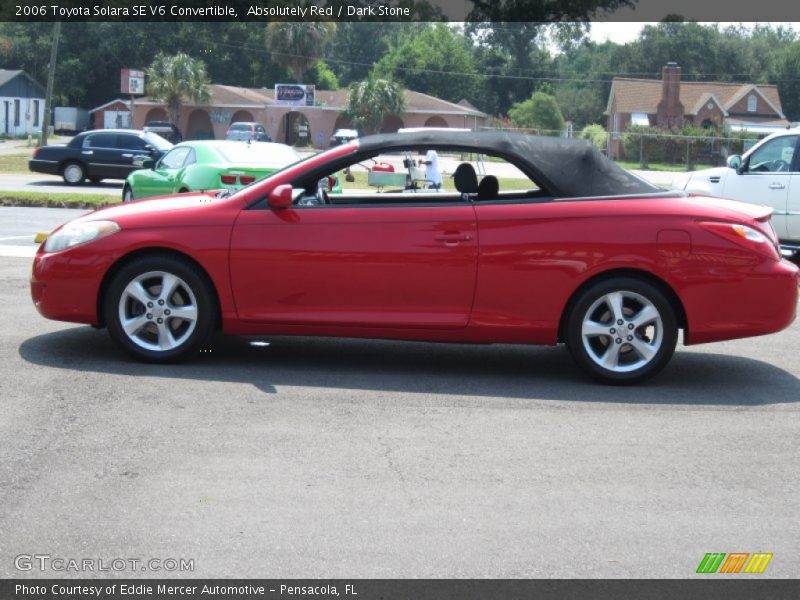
(51, 72)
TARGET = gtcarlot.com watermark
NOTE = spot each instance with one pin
(59, 564)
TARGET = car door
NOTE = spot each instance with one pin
(165, 176)
(411, 266)
(765, 178)
(101, 155)
(793, 202)
(130, 148)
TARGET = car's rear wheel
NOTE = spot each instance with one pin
(622, 330)
(127, 193)
(73, 173)
(159, 309)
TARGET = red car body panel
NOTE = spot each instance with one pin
(471, 272)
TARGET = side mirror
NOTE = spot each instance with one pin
(142, 161)
(734, 161)
(280, 197)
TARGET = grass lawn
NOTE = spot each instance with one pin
(659, 166)
(56, 200)
(14, 163)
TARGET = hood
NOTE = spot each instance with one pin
(706, 181)
(189, 209)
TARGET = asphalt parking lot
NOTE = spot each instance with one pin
(336, 458)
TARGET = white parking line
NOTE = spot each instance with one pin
(18, 251)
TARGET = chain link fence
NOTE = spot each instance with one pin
(650, 149)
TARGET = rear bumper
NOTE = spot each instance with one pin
(38, 165)
(758, 301)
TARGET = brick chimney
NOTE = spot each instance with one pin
(670, 109)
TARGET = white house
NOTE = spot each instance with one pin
(21, 104)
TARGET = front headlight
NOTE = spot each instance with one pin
(74, 234)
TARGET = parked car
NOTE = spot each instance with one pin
(207, 165)
(768, 173)
(341, 136)
(98, 154)
(587, 254)
(166, 130)
(242, 131)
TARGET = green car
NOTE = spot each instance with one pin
(207, 165)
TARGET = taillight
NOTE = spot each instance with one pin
(246, 179)
(228, 179)
(743, 236)
(35, 152)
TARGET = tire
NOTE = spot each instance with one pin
(626, 353)
(127, 193)
(135, 303)
(73, 173)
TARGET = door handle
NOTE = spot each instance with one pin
(127, 156)
(776, 186)
(88, 152)
(452, 238)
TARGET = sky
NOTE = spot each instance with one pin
(627, 32)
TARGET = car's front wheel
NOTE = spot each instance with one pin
(159, 309)
(622, 330)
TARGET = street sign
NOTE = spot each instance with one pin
(132, 81)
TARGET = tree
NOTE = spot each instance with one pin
(171, 79)
(371, 100)
(323, 77)
(298, 45)
(436, 60)
(789, 69)
(540, 111)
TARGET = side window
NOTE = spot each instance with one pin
(175, 158)
(101, 140)
(130, 142)
(776, 156)
(420, 176)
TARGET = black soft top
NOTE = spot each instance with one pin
(565, 168)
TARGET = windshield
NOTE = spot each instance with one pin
(156, 141)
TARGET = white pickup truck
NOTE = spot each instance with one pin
(768, 173)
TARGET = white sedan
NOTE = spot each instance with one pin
(768, 173)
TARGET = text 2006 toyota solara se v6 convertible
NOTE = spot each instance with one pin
(580, 252)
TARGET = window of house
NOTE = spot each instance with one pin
(35, 113)
(640, 119)
(752, 103)
(16, 113)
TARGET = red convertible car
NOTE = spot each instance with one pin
(578, 251)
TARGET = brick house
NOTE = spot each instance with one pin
(290, 124)
(670, 103)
